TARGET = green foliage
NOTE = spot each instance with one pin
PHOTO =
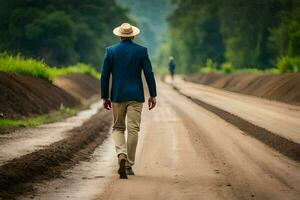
(252, 70)
(227, 68)
(20, 65)
(59, 32)
(24, 122)
(73, 69)
(150, 16)
(194, 35)
(245, 30)
(288, 64)
(37, 68)
(247, 34)
(160, 59)
(285, 38)
(34, 121)
(231, 69)
(209, 68)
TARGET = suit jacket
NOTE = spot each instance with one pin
(125, 62)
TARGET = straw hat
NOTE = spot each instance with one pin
(126, 30)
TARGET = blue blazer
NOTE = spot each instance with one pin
(125, 62)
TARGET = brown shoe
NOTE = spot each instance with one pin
(122, 168)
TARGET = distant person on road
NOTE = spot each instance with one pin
(171, 65)
(125, 61)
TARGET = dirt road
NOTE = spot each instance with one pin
(189, 153)
(184, 152)
(25, 141)
(279, 118)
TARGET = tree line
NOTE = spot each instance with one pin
(61, 32)
(237, 33)
(151, 19)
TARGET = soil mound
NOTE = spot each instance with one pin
(279, 87)
(80, 86)
(24, 96)
(50, 162)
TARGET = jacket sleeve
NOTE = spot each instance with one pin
(147, 68)
(105, 75)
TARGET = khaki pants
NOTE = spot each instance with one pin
(133, 110)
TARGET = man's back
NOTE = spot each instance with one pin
(171, 65)
(125, 61)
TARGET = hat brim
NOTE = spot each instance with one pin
(135, 31)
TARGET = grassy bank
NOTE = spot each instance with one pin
(42, 119)
(37, 68)
(284, 65)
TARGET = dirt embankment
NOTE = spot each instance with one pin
(80, 86)
(24, 96)
(17, 175)
(283, 87)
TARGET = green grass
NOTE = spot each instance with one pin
(20, 65)
(285, 64)
(77, 69)
(37, 68)
(42, 119)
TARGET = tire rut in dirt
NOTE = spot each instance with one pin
(281, 144)
(17, 175)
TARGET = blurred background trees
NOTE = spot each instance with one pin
(151, 18)
(61, 32)
(200, 34)
(238, 33)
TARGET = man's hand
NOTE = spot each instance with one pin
(107, 104)
(151, 102)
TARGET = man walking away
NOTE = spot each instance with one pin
(125, 61)
(171, 66)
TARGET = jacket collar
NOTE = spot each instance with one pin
(126, 41)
